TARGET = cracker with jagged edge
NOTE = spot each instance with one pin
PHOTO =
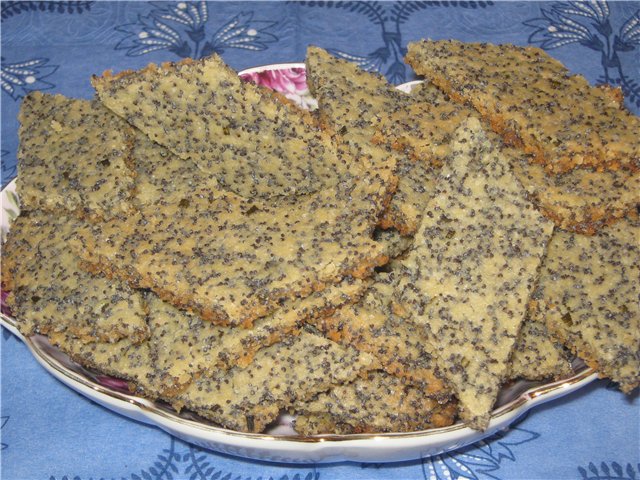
(588, 298)
(537, 356)
(233, 260)
(376, 403)
(469, 277)
(375, 325)
(249, 399)
(50, 292)
(351, 103)
(416, 181)
(255, 142)
(534, 102)
(74, 156)
(184, 346)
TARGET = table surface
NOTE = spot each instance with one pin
(49, 431)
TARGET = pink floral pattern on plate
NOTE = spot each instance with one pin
(4, 308)
(291, 82)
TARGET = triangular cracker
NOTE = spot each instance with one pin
(379, 402)
(475, 261)
(249, 399)
(352, 102)
(184, 346)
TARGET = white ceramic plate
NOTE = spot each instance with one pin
(281, 444)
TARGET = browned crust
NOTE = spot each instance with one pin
(443, 416)
(615, 93)
(381, 138)
(597, 219)
(88, 335)
(392, 217)
(100, 266)
(247, 357)
(511, 137)
(389, 216)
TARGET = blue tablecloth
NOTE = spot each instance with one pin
(48, 431)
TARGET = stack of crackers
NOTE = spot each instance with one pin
(386, 263)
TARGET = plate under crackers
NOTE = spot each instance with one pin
(280, 443)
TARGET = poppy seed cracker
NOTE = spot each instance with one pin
(49, 292)
(424, 128)
(538, 356)
(416, 180)
(393, 242)
(162, 177)
(582, 200)
(375, 403)
(468, 279)
(352, 103)
(74, 156)
(232, 260)
(249, 399)
(588, 298)
(534, 102)
(123, 360)
(372, 325)
(184, 345)
(254, 143)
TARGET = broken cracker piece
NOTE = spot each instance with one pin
(588, 298)
(253, 142)
(393, 242)
(371, 325)
(184, 345)
(122, 359)
(351, 104)
(424, 128)
(163, 178)
(537, 356)
(375, 403)
(582, 200)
